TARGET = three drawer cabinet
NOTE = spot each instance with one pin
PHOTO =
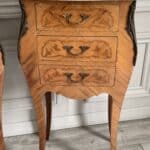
(78, 49)
(1, 86)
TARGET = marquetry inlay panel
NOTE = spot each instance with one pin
(77, 76)
(77, 50)
(59, 17)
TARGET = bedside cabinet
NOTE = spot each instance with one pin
(1, 86)
(78, 49)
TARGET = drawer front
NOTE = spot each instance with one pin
(76, 50)
(73, 18)
(77, 76)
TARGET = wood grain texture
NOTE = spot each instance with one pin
(48, 68)
(80, 49)
(77, 76)
(1, 85)
(62, 18)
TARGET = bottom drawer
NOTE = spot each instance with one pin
(85, 76)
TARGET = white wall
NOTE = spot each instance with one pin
(18, 113)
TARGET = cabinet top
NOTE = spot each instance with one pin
(87, 0)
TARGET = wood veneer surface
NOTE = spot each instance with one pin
(1, 86)
(48, 69)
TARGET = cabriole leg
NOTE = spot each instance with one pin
(48, 113)
(40, 114)
(114, 116)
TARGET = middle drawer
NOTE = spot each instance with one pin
(77, 50)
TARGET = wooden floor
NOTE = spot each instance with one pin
(133, 135)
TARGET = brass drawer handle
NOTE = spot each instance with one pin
(82, 50)
(69, 20)
(82, 76)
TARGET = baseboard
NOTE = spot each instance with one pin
(74, 121)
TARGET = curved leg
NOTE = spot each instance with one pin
(109, 111)
(1, 134)
(48, 113)
(1, 91)
(114, 116)
(40, 114)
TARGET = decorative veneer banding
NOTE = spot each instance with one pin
(45, 69)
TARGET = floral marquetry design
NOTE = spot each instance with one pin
(77, 76)
(67, 16)
(77, 49)
(57, 48)
(94, 18)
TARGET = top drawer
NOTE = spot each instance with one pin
(63, 18)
